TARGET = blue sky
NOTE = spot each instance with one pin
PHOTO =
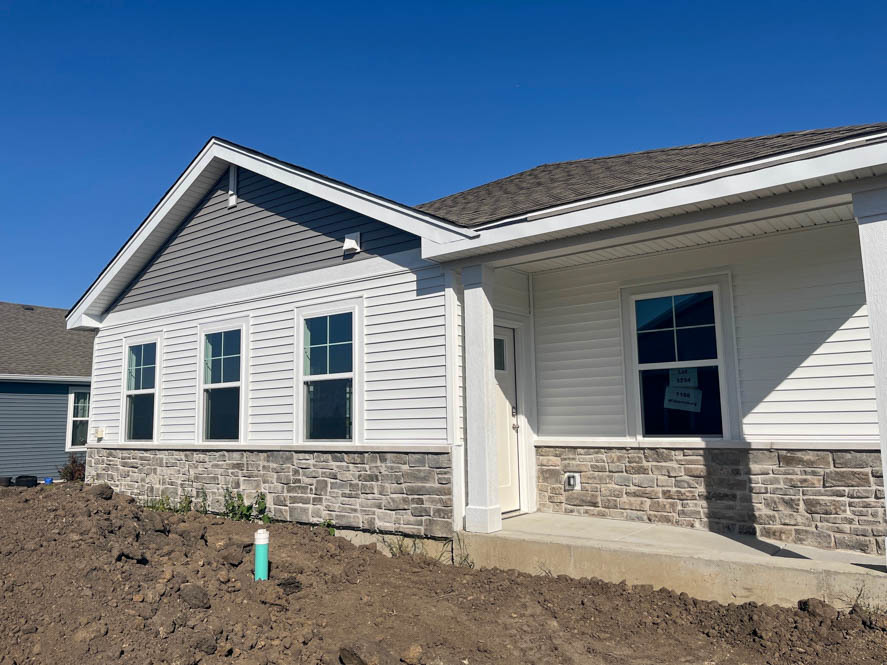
(103, 104)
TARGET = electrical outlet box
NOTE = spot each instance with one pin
(571, 482)
(99, 433)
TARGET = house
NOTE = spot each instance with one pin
(45, 373)
(693, 336)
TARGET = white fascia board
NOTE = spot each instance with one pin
(38, 378)
(401, 217)
(396, 215)
(782, 170)
(80, 317)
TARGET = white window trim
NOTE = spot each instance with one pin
(135, 340)
(204, 329)
(355, 306)
(70, 426)
(720, 285)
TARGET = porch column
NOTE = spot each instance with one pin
(870, 210)
(482, 514)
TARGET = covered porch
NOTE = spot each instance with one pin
(782, 361)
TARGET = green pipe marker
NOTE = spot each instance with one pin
(261, 554)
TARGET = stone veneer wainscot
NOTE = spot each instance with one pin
(827, 499)
(389, 492)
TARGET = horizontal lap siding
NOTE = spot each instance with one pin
(274, 230)
(178, 384)
(404, 361)
(578, 355)
(802, 337)
(33, 427)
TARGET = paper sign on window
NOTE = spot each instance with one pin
(684, 377)
(683, 399)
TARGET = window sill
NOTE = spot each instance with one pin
(369, 447)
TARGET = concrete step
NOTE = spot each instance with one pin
(706, 565)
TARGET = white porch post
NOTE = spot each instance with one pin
(482, 514)
(870, 210)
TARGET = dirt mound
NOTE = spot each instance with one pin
(88, 576)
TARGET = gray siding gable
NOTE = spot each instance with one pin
(273, 231)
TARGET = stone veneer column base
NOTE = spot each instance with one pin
(402, 493)
(826, 499)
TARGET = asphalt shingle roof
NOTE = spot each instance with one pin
(35, 341)
(566, 182)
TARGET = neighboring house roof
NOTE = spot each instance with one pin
(561, 183)
(34, 341)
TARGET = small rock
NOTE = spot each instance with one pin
(232, 555)
(818, 608)
(204, 642)
(90, 632)
(102, 491)
(290, 585)
(348, 656)
(194, 596)
(411, 655)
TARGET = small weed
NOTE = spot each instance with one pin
(402, 545)
(326, 524)
(74, 470)
(167, 505)
(460, 554)
(240, 511)
(202, 504)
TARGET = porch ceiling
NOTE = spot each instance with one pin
(763, 226)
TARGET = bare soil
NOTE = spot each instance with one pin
(87, 577)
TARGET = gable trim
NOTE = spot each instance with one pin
(203, 173)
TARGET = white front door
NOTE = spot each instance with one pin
(506, 419)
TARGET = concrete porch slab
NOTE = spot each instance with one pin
(706, 565)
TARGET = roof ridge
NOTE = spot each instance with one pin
(24, 304)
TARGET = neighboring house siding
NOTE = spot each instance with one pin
(802, 335)
(274, 230)
(404, 358)
(33, 426)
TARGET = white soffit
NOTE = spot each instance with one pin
(842, 214)
(194, 183)
(847, 161)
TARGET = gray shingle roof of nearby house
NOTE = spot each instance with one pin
(35, 341)
(566, 182)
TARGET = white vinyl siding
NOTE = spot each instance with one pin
(802, 338)
(511, 291)
(405, 359)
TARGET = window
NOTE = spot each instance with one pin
(221, 385)
(141, 376)
(499, 354)
(78, 417)
(679, 364)
(328, 377)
